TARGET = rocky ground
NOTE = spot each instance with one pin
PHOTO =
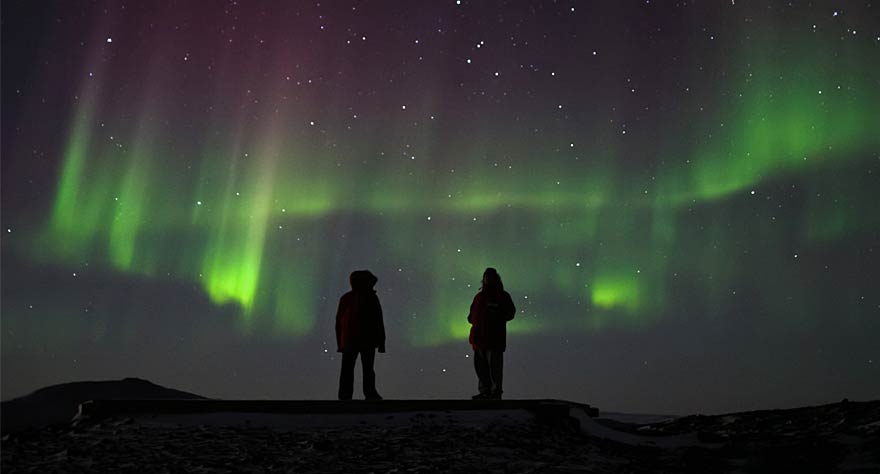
(843, 437)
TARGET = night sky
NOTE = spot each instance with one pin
(683, 198)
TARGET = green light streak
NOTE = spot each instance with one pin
(76, 215)
(130, 213)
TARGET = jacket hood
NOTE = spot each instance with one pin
(362, 280)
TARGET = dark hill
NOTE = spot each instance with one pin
(59, 403)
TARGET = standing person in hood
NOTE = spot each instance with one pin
(491, 309)
(359, 330)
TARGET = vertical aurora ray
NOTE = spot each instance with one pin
(76, 213)
(222, 268)
(130, 213)
(233, 261)
(291, 296)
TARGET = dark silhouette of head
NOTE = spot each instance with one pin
(362, 280)
(492, 280)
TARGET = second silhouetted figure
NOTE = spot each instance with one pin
(359, 330)
(490, 311)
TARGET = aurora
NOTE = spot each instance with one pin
(253, 156)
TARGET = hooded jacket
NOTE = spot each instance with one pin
(490, 312)
(359, 324)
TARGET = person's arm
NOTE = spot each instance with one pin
(474, 305)
(381, 327)
(339, 324)
(511, 309)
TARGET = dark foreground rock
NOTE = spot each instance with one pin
(835, 438)
(421, 447)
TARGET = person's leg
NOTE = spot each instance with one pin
(481, 366)
(368, 357)
(496, 371)
(346, 377)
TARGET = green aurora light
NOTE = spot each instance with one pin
(247, 219)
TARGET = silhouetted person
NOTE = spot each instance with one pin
(359, 330)
(491, 310)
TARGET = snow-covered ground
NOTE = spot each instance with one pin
(158, 435)
(842, 437)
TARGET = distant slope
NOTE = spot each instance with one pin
(59, 403)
